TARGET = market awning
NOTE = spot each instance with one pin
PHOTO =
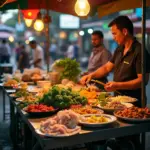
(63, 6)
(5, 35)
(118, 5)
(6, 28)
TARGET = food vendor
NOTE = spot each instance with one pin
(99, 56)
(126, 62)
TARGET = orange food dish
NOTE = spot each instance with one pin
(88, 94)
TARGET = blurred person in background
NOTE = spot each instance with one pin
(23, 58)
(5, 52)
(73, 50)
(99, 56)
(38, 55)
(18, 50)
(70, 51)
(63, 49)
(53, 50)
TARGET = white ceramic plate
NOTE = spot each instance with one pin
(20, 99)
(61, 135)
(124, 99)
(34, 90)
(128, 105)
(110, 119)
(13, 95)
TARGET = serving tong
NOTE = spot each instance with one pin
(103, 84)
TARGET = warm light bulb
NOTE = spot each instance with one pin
(11, 39)
(28, 22)
(38, 25)
(82, 7)
(29, 14)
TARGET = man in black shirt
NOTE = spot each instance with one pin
(126, 63)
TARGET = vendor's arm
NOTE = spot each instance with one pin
(99, 73)
(135, 83)
(129, 85)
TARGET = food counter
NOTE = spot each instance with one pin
(117, 129)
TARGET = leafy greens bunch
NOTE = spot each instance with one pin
(62, 98)
(71, 68)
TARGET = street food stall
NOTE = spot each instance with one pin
(64, 113)
(52, 110)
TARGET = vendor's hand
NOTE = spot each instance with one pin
(111, 86)
(85, 79)
(83, 74)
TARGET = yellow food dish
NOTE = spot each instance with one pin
(88, 95)
(96, 119)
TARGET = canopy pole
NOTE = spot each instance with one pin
(47, 30)
(143, 64)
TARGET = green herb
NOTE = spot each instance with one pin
(71, 69)
(103, 98)
(62, 98)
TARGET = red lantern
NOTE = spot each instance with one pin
(30, 13)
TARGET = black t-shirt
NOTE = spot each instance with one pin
(128, 66)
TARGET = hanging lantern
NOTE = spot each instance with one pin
(82, 7)
(30, 13)
(28, 22)
(38, 25)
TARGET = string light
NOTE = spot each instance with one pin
(82, 8)
(38, 25)
(28, 22)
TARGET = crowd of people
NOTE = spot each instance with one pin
(34, 55)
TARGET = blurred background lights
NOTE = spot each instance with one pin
(38, 25)
(63, 35)
(90, 31)
(27, 42)
(11, 39)
(81, 33)
(28, 22)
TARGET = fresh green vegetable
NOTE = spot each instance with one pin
(17, 79)
(103, 98)
(25, 104)
(62, 98)
(22, 93)
(71, 69)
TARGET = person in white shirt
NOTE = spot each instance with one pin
(70, 51)
(38, 55)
